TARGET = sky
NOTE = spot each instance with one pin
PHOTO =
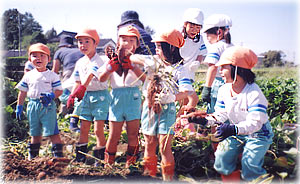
(260, 25)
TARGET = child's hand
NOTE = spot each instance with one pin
(46, 98)
(19, 111)
(113, 65)
(226, 130)
(70, 102)
(126, 63)
(79, 92)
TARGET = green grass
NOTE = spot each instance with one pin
(261, 73)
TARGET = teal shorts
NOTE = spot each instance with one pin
(65, 96)
(42, 120)
(162, 124)
(126, 104)
(95, 105)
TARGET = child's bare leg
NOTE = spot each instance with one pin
(55, 139)
(99, 132)
(150, 158)
(167, 158)
(84, 131)
(36, 139)
(132, 129)
(115, 129)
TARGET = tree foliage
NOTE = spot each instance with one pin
(16, 23)
(273, 58)
(51, 34)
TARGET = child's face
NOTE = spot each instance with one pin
(128, 43)
(212, 38)
(87, 46)
(192, 29)
(39, 60)
(225, 72)
(159, 51)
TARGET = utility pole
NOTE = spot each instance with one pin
(19, 26)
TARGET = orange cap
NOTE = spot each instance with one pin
(173, 37)
(38, 47)
(92, 33)
(129, 31)
(238, 56)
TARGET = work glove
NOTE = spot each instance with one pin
(198, 117)
(205, 95)
(225, 130)
(126, 63)
(113, 65)
(70, 103)
(19, 110)
(46, 98)
(79, 92)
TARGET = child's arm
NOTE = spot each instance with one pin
(211, 74)
(139, 73)
(21, 97)
(58, 93)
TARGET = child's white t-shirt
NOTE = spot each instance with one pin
(214, 52)
(84, 67)
(35, 83)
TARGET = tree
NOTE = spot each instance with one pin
(273, 58)
(14, 22)
(51, 34)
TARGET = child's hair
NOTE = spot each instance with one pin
(226, 35)
(171, 53)
(197, 37)
(246, 74)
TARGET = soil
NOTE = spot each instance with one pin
(17, 168)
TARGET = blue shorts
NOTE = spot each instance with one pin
(162, 124)
(42, 120)
(95, 105)
(126, 104)
(65, 96)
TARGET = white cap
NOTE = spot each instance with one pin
(193, 15)
(216, 20)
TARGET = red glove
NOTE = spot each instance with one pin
(79, 92)
(126, 63)
(70, 102)
(113, 65)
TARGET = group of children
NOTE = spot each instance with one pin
(165, 78)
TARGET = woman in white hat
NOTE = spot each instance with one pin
(216, 28)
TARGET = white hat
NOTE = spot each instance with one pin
(216, 20)
(193, 15)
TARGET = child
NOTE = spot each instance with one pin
(159, 111)
(126, 96)
(216, 28)
(193, 49)
(41, 86)
(241, 102)
(94, 94)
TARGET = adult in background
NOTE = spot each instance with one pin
(131, 17)
(66, 55)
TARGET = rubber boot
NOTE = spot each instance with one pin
(150, 166)
(234, 177)
(57, 150)
(74, 124)
(167, 171)
(79, 156)
(109, 158)
(33, 150)
(131, 155)
(99, 153)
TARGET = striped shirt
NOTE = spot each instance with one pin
(35, 83)
(247, 110)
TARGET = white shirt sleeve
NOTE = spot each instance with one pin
(257, 112)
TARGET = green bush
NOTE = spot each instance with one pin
(14, 67)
